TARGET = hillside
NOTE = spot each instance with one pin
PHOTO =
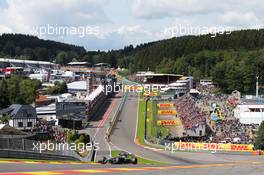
(30, 47)
(232, 60)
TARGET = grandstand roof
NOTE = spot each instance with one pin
(156, 75)
(25, 61)
(77, 85)
(95, 93)
(78, 63)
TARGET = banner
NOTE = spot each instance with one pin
(133, 88)
(168, 122)
(165, 105)
(150, 94)
(167, 112)
(191, 146)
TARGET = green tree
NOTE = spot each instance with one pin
(5, 119)
(9, 48)
(58, 88)
(13, 90)
(4, 101)
(28, 93)
(260, 137)
(71, 137)
(81, 139)
(61, 58)
(165, 66)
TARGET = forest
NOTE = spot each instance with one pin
(18, 91)
(232, 60)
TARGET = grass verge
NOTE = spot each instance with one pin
(141, 160)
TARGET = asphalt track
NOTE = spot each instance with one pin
(123, 138)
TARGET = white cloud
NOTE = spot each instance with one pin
(129, 21)
(236, 17)
(134, 29)
(235, 12)
(21, 16)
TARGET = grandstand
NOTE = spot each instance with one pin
(26, 64)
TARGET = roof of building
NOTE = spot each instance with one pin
(252, 102)
(77, 85)
(25, 61)
(102, 64)
(157, 75)
(42, 98)
(95, 93)
(78, 63)
(14, 109)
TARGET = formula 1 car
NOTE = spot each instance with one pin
(122, 158)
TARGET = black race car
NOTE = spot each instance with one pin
(122, 158)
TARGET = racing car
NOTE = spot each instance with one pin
(122, 158)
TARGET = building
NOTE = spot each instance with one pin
(171, 85)
(77, 86)
(71, 113)
(206, 82)
(160, 79)
(77, 64)
(27, 64)
(23, 117)
(48, 113)
(250, 111)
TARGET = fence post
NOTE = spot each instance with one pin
(8, 143)
(23, 144)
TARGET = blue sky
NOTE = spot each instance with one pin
(113, 24)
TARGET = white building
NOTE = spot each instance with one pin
(206, 82)
(23, 117)
(250, 112)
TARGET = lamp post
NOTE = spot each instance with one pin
(146, 116)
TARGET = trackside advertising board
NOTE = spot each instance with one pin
(190, 146)
(168, 122)
(150, 94)
(165, 105)
(167, 112)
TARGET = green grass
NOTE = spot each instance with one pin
(152, 128)
(141, 160)
(141, 122)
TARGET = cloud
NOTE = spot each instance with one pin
(119, 23)
(239, 18)
(21, 16)
(158, 9)
(168, 8)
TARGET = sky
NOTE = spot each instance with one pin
(113, 24)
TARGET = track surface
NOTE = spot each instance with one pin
(52, 169)
(123, 138)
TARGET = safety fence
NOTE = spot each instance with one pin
(116, 116)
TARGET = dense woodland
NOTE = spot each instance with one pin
(18, 91)
(232, 60)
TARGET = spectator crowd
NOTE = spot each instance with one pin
(196, 111)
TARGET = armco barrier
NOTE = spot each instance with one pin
(109, 131)
(19, 154)
(116, 116)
